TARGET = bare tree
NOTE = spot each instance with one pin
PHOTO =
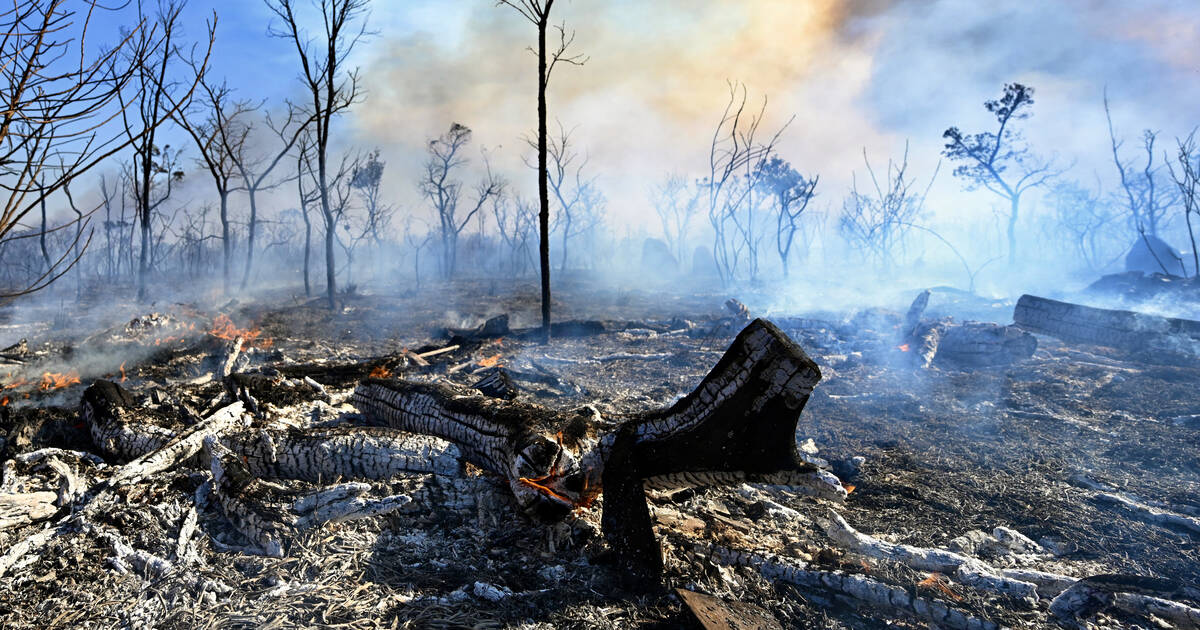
(221, 140)
(443, 189)
(877, 220)
(1087, 218)
(60, 100)
(1187, 179)
(538, 14)
(367, 179)
(516, 221)
(307, 199)
(157, 96)
(733, 159)
(256, 169)
(577, 196)
(676, 202)
(986, 158)
(1147, 201)
(332, 88)
(791, 193)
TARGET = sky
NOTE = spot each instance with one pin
(856, 75)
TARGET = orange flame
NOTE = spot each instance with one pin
(223, 328)
(4, 401)
(122, 371)
(938, 581)
(849, 487)
(902, 347)
(491, 361)
(55, 380)
(380, 371)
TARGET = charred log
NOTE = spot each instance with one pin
(1124, 330)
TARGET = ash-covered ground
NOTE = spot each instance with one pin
(937, 457)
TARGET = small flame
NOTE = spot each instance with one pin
(380, 371)
(902, 347)
(849, 487)
(223, 328)
(122, 368)
(55, 380)
(938, 581)
(491, 361)
(4, 401)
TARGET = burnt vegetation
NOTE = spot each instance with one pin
(258, 375)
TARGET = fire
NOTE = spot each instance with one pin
(491, 361)
(380, 371)
(4, 401)
(122, 368)
(849, 487)
(938, 581)
(223, 328)
(902, 347)
(55, 380)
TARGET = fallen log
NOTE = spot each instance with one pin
(738, 425)
(966, 344)
(1124, 330)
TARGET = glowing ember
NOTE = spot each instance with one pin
(849, 487)
(938, 581)
(4, 401)
(902, 347)
(491, 361)
(380, 372)
(122, 371)
(533, 483)
(55, 380)
(223, 328)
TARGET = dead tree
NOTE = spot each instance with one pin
(516, 221)
(221, 140)
(367, 179)
(676, 202)
(876, 220)
(791, 193)
(733, 159)
(332, 89)
(156, 97)
(577, 196)
(1146, 199)
(255, 171)
(60, 99)
(1001, 161)
(1187, 179)
(1086, 216)
(538, 14)
(306, 199)
(440, 186)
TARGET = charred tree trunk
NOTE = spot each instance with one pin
(543, 175)
(251, 231)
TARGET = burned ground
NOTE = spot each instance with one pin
(944, 450)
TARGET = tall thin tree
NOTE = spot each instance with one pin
(538, 14)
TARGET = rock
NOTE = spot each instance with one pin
(491, 592)
(657, 258)
(1151, 254)
(704, 265)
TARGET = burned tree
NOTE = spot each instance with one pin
(733, 158)
(332, 88)
(1000, 161)
(221, 141)
(366, 179)
(676, 203)
(156, 97)
(791, 193)
(877, 220)
(538, 13)
(441, 187)
(255, 171)
(516, 221)
(1187, 179)
(60, 100)
(579, 201)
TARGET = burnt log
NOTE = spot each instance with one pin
(737, 426)
(1123, 330)
(966, 344)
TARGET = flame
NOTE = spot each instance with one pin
(380, 371)
(4, 401)
(533, 483)
(122, 368)
(223, 328)
(849, 487)
(902, 347)
(55, 380)
(938, 581)
(491, 361)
